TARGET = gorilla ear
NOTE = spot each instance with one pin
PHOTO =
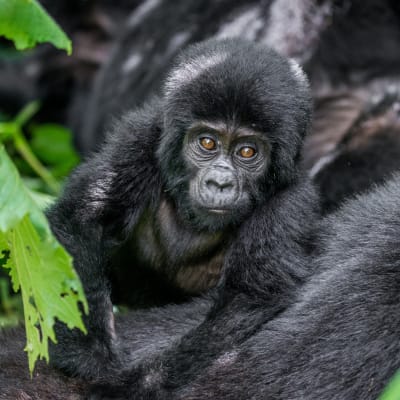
(298, 72)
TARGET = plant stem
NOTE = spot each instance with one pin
(14, 130)
(7, 130)
(27, 113)
(23, 148)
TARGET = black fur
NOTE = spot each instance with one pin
(46, 383)
(154, 331)
(134, 192)
(338, 340)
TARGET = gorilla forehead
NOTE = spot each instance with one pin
(235, 80)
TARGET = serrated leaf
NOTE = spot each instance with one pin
(26, 23)
(43, 271)
(37, 264)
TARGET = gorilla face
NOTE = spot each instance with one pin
(224, 164)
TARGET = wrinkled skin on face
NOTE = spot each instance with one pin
(225, 164)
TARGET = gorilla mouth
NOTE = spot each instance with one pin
(219, 211)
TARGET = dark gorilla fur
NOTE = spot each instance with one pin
(136, 191)
(154, 331)
(340, 339)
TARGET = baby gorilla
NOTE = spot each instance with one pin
(201, 180)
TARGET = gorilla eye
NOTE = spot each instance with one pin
(247, 152)
(208, 143)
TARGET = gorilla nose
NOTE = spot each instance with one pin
(219, 188)
(219, 185)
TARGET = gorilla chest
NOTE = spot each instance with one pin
(189, 260)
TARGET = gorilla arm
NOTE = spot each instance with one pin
(101, 203)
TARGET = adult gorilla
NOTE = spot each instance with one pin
(340, 338)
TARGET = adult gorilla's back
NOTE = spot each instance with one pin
(340, 340)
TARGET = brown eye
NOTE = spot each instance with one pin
(208, 143)
(247, 152)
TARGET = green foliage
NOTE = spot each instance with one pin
(26, 23)
(52, 144)
(15, 200)
(49, 155)
(38, 265)
(392, 391)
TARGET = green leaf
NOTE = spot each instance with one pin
(392, 390)
(15, 201)
(26, 23)
(52, 144)
(37, 264)
(49, 290)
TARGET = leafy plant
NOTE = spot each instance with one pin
(38, 265)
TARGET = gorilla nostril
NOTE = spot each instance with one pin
(226, 185)
(213, 184)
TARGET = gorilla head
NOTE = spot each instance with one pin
(235, 115)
